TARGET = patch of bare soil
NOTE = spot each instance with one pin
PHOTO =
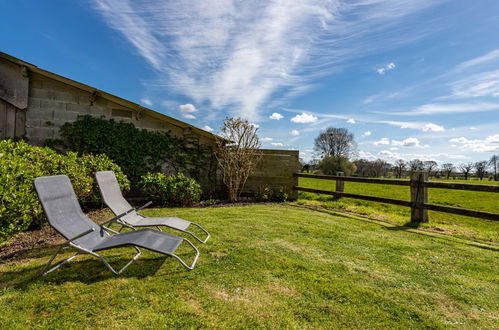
(45, 236)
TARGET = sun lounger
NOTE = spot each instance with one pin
(64, 214)
(113, 198)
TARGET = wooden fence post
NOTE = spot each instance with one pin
(340, 184)
(419, 196)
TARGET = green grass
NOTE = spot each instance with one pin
(270, 266)
(468, 227)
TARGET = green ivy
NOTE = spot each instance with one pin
(136, 151)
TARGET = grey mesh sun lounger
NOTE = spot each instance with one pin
(64, 214)
(112, 196)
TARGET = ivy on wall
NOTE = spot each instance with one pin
(137, 151)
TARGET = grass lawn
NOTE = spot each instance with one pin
(470, 228)
(267, 266)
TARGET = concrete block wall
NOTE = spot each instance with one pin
(52, 103)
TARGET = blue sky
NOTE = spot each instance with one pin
(410, 78)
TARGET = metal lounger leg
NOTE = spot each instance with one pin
(45, 271)
(106, 263)
(191, 267)
(193, 235)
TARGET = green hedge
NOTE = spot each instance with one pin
(21, 163)
(173, 190)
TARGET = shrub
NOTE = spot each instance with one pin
(173, 190)
(267, 194)
(21, 163)
(333, 164)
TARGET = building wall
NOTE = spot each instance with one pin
(52, 103)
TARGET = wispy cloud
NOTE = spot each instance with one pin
(489, 144)
(484, 84)
(491, 56)
(237, 55)
(446, 108)
(208, 128)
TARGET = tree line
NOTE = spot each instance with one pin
(336, 146)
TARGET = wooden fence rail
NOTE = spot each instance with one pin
(418, 184)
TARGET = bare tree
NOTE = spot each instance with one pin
(336, 142)
(493, 162)
(481, 169)
(399, 167)
(429, 166)
(466, 169)
(415, 165)
(237, 154)
(447, 168)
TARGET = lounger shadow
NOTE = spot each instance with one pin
(64, 214)
(113, 198)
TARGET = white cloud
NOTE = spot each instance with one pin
(351, 121)
(366, 155)
(304, 118)
(409, 142)
(368, 133)
(489, 144)
(208, 128)
(266, 139)
(295, 132)
(276, 116)
(187, 110)
(146, 101)
(425, 127)
(277, 144)
(382, 141)
(255, 125)
(389, 66)
(430, 127)
(237, 54)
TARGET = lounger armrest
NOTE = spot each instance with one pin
(80, 235)
(116, 217)
(143, 206)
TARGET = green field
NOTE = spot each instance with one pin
(268, 266)
(472, 228)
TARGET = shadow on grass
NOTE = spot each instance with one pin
(408, 227)
(87, 269)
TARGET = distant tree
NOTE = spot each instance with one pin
(480, 169)
(335, 142)
(415, 165)
(363, 167)
(466, 169)
(447, 168)
(399, 167)
(493, 162)
(429, 166)
(333, 164)
(237, 154)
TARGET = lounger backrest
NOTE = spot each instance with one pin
(63, 211)
(111, 193)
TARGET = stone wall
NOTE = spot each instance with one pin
(275, 170)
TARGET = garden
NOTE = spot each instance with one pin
(317, 262)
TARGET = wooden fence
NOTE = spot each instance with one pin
(418, 184)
